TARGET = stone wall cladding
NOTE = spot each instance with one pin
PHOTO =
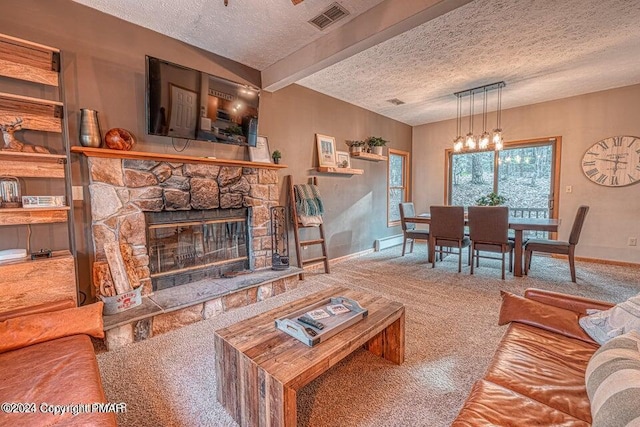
(122, 190)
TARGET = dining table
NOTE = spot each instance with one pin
(518, 225)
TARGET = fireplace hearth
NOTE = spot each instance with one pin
(187, 246)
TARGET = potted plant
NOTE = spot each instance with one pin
(355, 146)
(276, 155)
(491, 199)
(375, 144)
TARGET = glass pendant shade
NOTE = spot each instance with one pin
(484, 141)
(471, 141)
(458, 144)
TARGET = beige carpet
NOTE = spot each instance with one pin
(451, 334)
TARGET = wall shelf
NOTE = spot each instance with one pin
(36, 113)
(24, 216)
(161, 157)
(32, 165)
(369, 156)
(342, 171)
(25, 60)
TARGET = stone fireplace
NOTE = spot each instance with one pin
(210, 203)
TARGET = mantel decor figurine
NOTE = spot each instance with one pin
(12, 144)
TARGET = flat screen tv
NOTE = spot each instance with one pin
(190, 104)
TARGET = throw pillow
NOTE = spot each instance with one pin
(613, 382)
(22, 331)
(620, 319)
(555, 319)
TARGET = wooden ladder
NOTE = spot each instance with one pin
(303, 243)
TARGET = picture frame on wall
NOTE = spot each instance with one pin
(326, 150)
(260, 153)
(343, 159)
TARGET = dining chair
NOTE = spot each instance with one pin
(558, 246)
(489, 232)
(409, 228)
(447, 231)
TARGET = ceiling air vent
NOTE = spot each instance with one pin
(333, 13)
(395, 101)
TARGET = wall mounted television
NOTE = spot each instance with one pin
(186, 103)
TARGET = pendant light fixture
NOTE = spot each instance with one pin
(472, 142)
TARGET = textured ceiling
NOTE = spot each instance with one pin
(253, 32)
(543, 49)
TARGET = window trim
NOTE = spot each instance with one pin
(405, 179)
(557, 151)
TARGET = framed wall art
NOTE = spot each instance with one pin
(326, 150)
(260, 153)
(343, 160)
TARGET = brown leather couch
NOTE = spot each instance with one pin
(47, 361)
(537, 376)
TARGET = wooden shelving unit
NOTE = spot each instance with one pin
(341, 171)
(30, 282)
(23, 216)
(36, 113)
(369, 156)
(139, 155)
(32, 165)
(25, 60)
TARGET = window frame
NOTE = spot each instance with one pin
(555, 141)
(405, 180)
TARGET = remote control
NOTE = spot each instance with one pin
(311, 322)
(311, 332)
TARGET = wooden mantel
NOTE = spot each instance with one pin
(138, 155)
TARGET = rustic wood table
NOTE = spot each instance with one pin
(260, 368)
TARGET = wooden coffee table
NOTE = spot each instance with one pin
(260, 368)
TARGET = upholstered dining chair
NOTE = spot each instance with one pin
(408, 228)
(447, 231)
(558, 246)
(489, 232)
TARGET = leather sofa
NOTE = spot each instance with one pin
(48, 365)
(537, 375)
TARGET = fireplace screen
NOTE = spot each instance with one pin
(184, 250)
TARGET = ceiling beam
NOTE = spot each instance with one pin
(380, 23)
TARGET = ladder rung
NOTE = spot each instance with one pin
(314, 260)
(311, 242)
(300, 225)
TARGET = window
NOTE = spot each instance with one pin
(398, 184)
(525, 173)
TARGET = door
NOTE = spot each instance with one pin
(183, 105)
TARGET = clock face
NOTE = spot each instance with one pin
(613, 162)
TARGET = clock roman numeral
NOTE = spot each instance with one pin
(592, 172)
(617, 141)
(638, 168)
(591, 163)
(602, 178)
(592, 153)
(631, 179)
(614, 180)
(633, 141)
(603, 144)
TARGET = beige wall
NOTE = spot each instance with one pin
(581, 121)
(356, 205)
(104, 69)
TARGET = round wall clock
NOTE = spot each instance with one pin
(613, 162)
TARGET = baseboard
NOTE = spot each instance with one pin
(600, 261)
(387, 242)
